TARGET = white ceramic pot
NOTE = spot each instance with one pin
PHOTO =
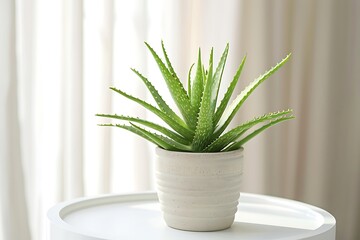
(199, 191)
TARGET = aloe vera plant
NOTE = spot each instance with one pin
(202, 124)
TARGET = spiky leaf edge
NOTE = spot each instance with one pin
(232, 109)
(224, 102)
(217, 78)
(163, 141)
(158, 99)
(237, 145)
(176, 89)
(205, 126)
(135, 130)
(173, 135)
(197, 87)
(238, 131)
(185, 132)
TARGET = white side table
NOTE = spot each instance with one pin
(138, 216)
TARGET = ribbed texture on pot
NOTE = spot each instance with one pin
(199, 191)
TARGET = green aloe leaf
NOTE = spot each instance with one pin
(157, 127)
(217, 78)
(198, 85)
(159, 100)
(182, 130)
(141, 133)
(235, 133)
(168, 143)
(205, 125)
(240, 143)
(168, 63)
(224, 102)
(189, 80)
(232, 109)
(177, 91)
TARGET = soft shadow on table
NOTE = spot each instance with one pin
(258, 230)
(239, 230)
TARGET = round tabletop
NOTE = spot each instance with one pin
(138, 216)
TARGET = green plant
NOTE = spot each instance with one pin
(202, 125)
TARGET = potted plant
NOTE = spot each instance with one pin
(198, 163)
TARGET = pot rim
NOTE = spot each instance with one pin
(164, 152)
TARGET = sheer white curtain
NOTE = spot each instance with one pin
(58, 58)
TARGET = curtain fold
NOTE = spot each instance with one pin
(98, 55)
(59, 58)
(13, 205)
(72, 118)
